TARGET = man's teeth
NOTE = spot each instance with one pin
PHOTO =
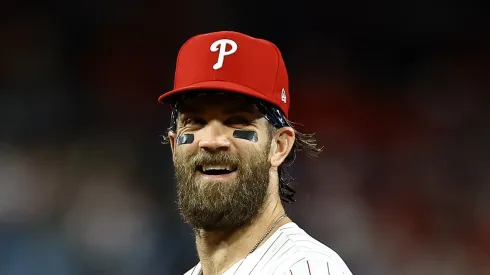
(214, 168)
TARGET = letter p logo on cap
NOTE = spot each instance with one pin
(221, 46)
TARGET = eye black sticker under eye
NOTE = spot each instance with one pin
(246, 134)
(185, 139)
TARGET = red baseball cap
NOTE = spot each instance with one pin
(234, 62)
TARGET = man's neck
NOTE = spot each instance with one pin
(218, 251)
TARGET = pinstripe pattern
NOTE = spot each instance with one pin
(289, 251)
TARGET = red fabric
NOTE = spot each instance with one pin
(252, 66)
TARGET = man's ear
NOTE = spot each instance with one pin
(171, 140)
(282, 144)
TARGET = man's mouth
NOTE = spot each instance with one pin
(216, 169)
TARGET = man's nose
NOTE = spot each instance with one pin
(214, 138)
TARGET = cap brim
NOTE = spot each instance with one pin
(170, 97)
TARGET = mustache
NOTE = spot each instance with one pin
(217, 158)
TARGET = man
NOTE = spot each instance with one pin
(230, 138)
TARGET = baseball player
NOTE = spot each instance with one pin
(231, 138)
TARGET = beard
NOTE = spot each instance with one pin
(214, 205)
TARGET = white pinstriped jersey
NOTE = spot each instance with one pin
(289, 251)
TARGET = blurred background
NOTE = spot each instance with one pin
(397, 93)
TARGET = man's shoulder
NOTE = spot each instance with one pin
(295, 250)
(315, 267)
(290, 250)
(295, 238)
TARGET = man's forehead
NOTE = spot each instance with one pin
(223, 103)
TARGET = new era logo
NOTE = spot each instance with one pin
(283, 95)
